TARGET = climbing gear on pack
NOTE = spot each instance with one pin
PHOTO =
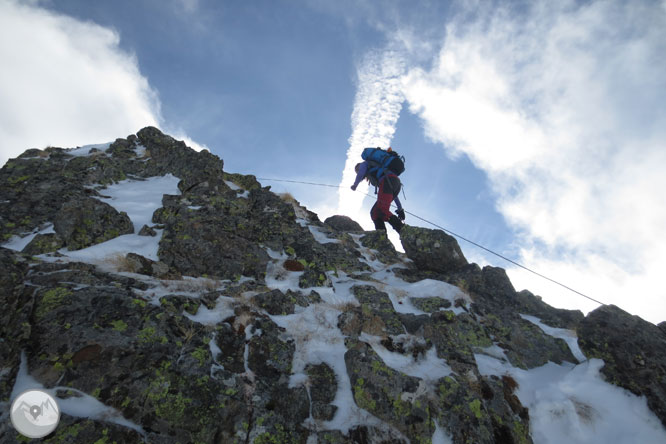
(381, 161)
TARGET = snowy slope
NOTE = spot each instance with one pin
(567, 403)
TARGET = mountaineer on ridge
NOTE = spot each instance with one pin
(382, 168)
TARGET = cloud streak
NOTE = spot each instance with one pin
(65, 82)
(561, 104)
(377, 107)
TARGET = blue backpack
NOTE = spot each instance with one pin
(381, 162)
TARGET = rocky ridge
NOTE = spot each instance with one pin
(257, 322)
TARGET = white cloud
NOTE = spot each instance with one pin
(376, 110)
(562, 104)
(65, 82)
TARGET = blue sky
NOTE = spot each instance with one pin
(537, 129)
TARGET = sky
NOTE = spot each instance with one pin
(536, 129)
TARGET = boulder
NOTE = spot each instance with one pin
(432, 250)
(343, 223)
(85, 222)
(43, 243)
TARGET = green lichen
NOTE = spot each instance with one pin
(280, 436)
(201, 355)
(165, 396)
(51, 299)
(141, 303)
(362, 397)
(475, 407)
(149, 335)
(119, 325)
(104, 439)
(16, 180)
(66, 434)
(521, 432)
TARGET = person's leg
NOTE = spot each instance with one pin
(389, 189)
(377, 216)
(396, 223)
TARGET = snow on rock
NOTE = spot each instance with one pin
(573, 404)
(139, 199)
(81, 405)
(568, 336)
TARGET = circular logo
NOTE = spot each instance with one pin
(35, 413)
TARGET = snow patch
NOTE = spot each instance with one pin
(440, 436)
(568, 336)
(322, 237)
(18, 243)
(139, 199)
(84, 151)
(223, 309)
(429, 368)
(573, 404)
(81, 405)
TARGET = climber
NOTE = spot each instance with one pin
(388, 186)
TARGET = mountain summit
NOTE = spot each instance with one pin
(161, 299)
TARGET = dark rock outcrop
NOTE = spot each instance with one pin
(432, 250)
(192, 346)
(343, 223)
(87, 222)
(633, 351)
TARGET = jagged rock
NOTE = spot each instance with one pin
(86, 222)
(482, 410)
(32, 191)
(633, 350)
(430, 305)
(432, 250)
(374, 316)
(205, 360)
(323, 387)
(43, 243)
(343, 223)
(246, 182)
(524, 343)
(142, 265)
(276, 302)
(147, 231)
(378, 240)
(456, 337)
(203, 243)
(527, 303)
(94, 337)
(14, 317)
(388, 394)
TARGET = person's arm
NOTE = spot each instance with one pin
(362, 170)
(397, 203)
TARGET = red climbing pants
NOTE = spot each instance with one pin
(389, 187)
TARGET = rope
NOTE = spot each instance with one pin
(458, 236)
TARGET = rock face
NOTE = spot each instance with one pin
(82, 223)
(343, 223)
(257, 323)
(432, 250)
(632, 350)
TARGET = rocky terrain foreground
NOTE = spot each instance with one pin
(251, 321)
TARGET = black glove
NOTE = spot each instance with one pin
(401, 214)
